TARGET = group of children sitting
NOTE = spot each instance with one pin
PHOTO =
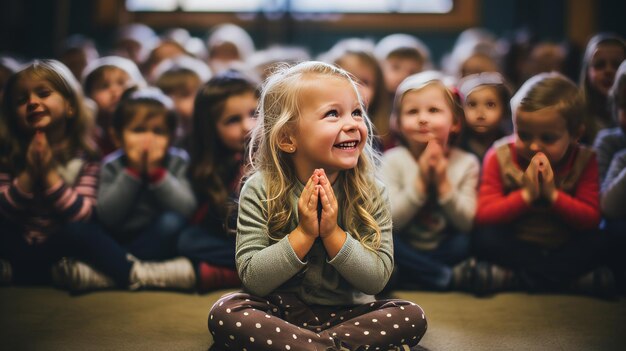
(137, 187)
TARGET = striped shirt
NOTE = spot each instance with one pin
(43, 212)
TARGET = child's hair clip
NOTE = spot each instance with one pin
(457, 94)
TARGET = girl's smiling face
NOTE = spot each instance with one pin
(38, 106)
(330, 131)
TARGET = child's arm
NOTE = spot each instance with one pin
(494, 206)
(614, 188)
(406, 199)
(171, 187)
(459, 203)
(76, 203)
(262, 266)
(366, 270)
(14, 200)
(118, 191)
(581, 211)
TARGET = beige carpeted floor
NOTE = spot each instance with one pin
(49, 319)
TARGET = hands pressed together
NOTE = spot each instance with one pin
(317, 207)
(433, 164)
(145, 153)
(40, 164)
(539, 180)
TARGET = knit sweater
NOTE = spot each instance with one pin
(352, 277)
(126, 204)
(44, 212)
(454, 212)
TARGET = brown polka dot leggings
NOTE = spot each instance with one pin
(240, 321)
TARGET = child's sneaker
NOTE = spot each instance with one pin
(177, 274)
(6, 272)
(599, 283)
(463, 275)
(490, 278)
(78, 276)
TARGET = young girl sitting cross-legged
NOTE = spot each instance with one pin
(314, 227)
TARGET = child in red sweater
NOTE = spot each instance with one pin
(538, 208)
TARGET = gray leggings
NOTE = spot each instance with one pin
(240, 321)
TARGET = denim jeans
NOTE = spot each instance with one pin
(541, 268)
(430, 269)
(198, 244)
(156, 242)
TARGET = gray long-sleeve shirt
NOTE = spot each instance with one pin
(126, 204)
(352, 277)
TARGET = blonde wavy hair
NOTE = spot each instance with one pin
(278, 114)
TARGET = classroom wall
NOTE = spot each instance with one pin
(34, 28)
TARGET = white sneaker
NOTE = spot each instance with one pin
(177, 274)
(78, 276)
(6, 272)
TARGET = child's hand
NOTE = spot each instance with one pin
(32, 156)
(307, 207)
(156, 147)
(46, 158)
(39, 157)
(328, 217)
(433, 165)
(547, 187)
(136, 154)
(426, 162)
(531, 189)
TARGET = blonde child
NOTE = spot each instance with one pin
(487, 112)
(538, 208)
(225, 112)
(104, 81)
(144, 199)
(314, 229)
(48, 169)
(432, 184)
(603, 55)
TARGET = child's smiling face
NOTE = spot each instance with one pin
(38, 105)
(331, 131)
